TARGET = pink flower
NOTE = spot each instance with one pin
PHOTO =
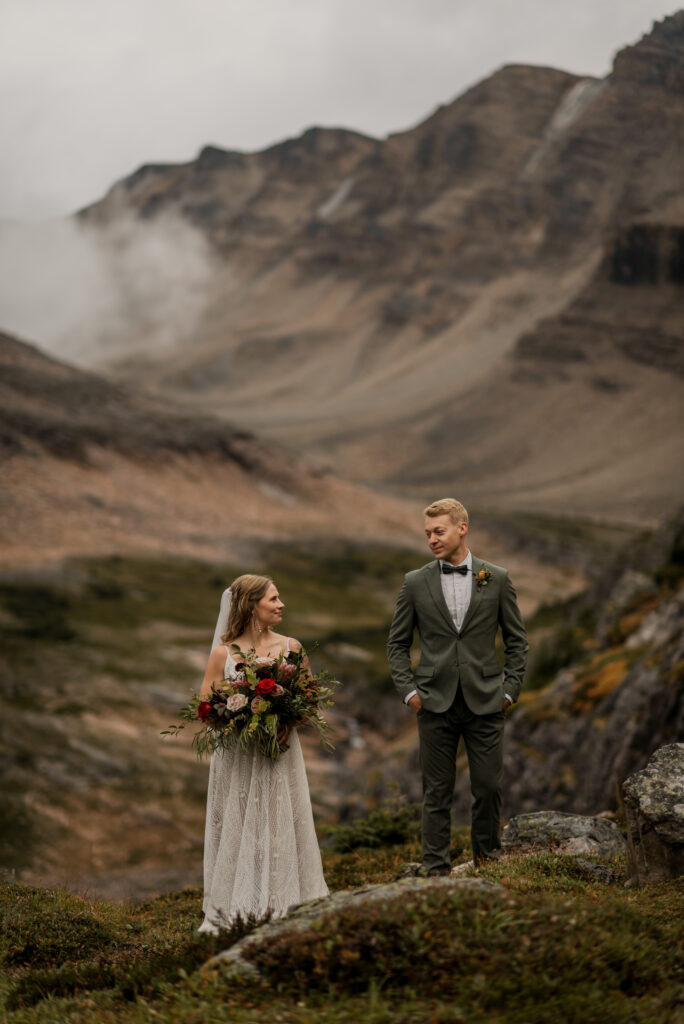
(236, 701)
(258, 705)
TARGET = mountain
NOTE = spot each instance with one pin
(89, 467)
(491, 300)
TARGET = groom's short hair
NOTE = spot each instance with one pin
(447, 507)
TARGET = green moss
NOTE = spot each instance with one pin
(41, 928)
(559, 634)
(70, 707)
(383, 827)
(446, 931)
(552, 949)
(568, 536)
(55, 944)
(17, 830)
(36, 612)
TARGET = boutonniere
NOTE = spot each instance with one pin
(483, 577)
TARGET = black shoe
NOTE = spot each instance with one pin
(423, 872)
(486, 858)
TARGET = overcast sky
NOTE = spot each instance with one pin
(91, 89)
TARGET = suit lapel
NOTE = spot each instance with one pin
(475, 594)
(434, 584)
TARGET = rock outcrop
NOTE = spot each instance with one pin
(349, 902)
(654, 813)
(564, 833)
(571, 744)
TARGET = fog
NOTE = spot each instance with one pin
(91, 296)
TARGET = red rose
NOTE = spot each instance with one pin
(204, 710)
(265, 687)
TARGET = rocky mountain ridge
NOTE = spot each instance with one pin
(514, 260)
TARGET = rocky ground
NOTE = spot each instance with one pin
(534, 937)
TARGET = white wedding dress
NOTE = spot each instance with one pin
(260, 847)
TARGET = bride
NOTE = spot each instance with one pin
(260, 847)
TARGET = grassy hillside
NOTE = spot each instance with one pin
(554, 948)
(96, 657)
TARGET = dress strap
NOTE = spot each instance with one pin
(287, 649)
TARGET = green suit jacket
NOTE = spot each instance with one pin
(448, 656)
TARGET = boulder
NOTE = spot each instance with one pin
(236, 963)
(596, 872)
(563, 833)
(654, 813)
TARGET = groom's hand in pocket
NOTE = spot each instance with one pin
(415, 703)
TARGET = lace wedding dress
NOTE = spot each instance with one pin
(260, 847)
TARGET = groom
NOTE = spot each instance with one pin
(457, 604)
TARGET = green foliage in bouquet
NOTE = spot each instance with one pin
(260, 699)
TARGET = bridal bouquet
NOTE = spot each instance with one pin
(250, 706)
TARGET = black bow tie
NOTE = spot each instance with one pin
(461, 569)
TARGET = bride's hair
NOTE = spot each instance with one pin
(247, 591)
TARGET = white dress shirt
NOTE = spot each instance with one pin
(457, 589)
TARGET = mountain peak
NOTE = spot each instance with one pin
(658, 58)
(212, 157)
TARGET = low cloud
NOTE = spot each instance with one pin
(94, 295)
